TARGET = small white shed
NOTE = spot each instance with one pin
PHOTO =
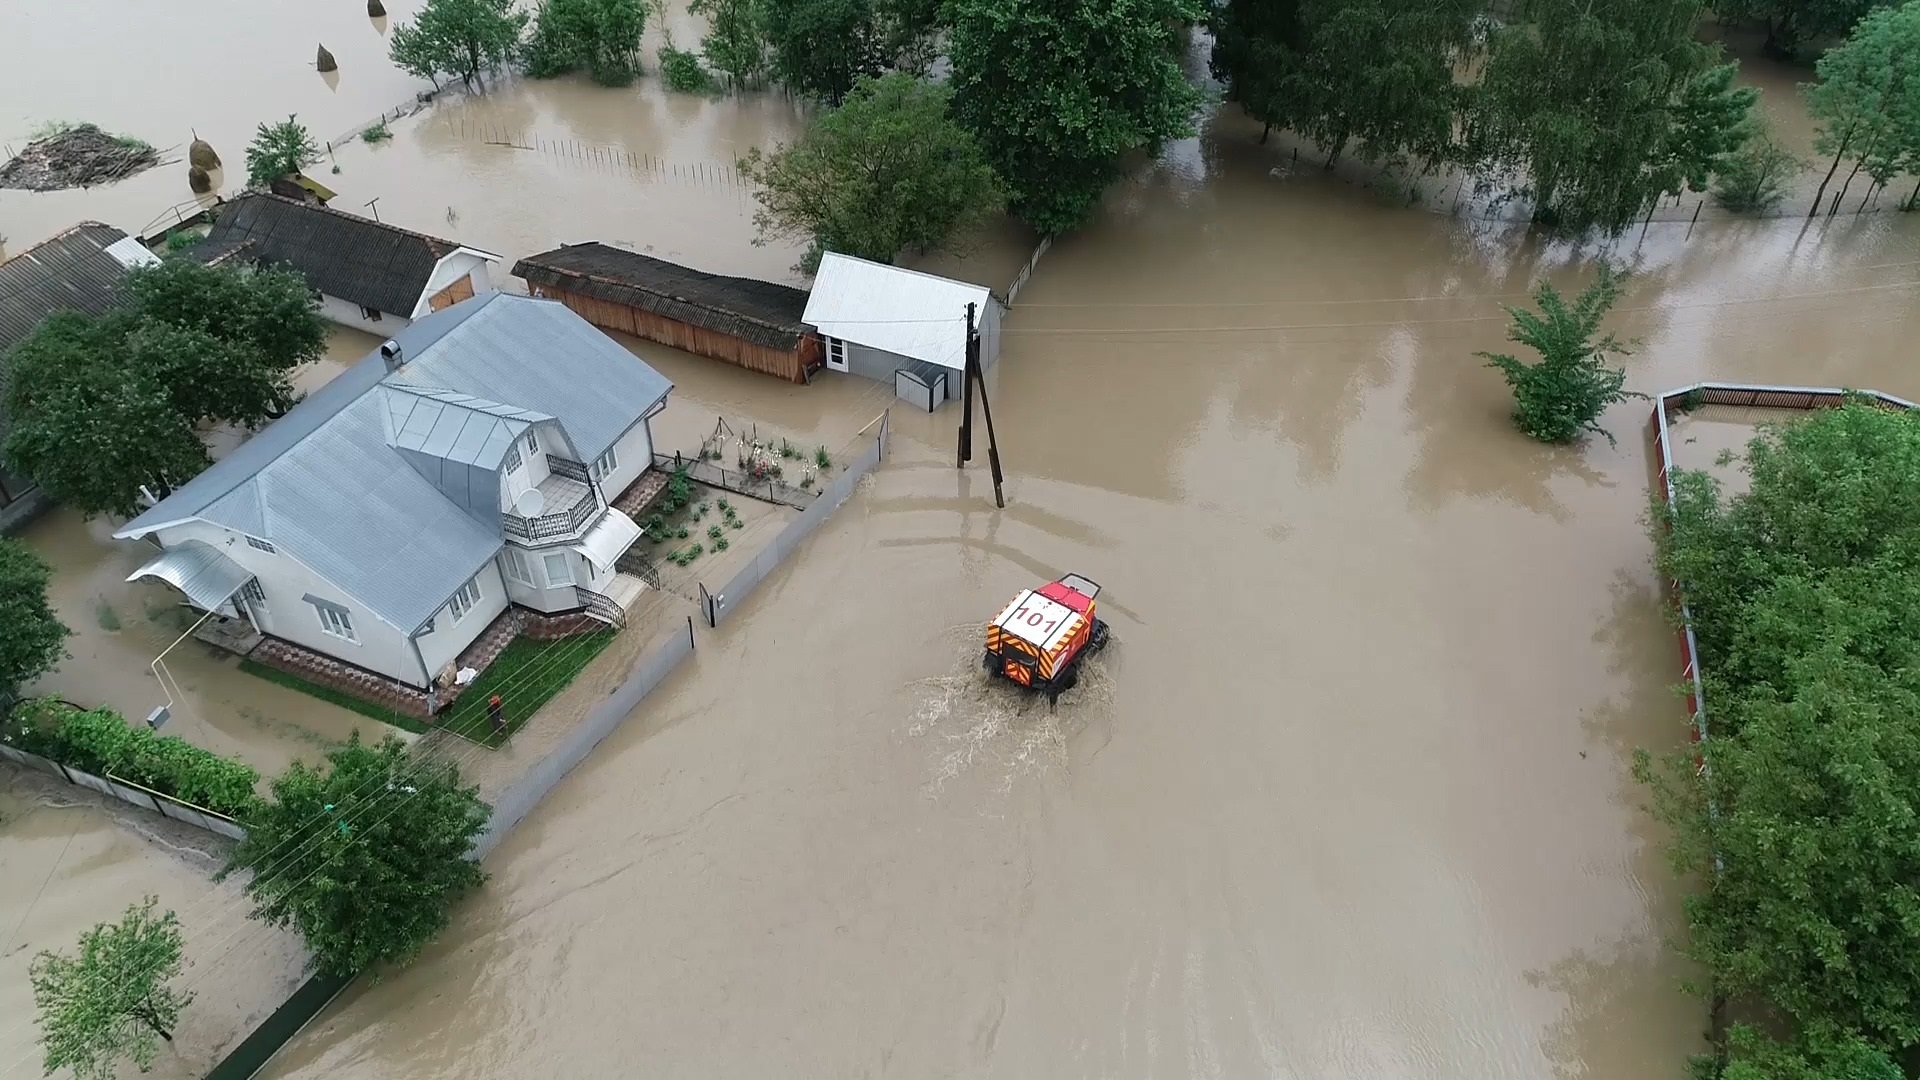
(900, 326)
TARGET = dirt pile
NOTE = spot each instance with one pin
(79, 156)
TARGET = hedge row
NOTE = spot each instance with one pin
(100, 741)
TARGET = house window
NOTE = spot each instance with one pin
(253, 594)
(836, 353)
(335, 620)
(261, 545)
(558, 572)
(605, 464)
(533, 443)
(464, 600)
(512, 463)
(515, 562)
(370, 314)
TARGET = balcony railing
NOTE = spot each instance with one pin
(570, 507)
(567, 467)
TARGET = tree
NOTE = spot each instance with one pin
(1564, 394)
(114, 998)
(1755, 178)
(1057, 91)
(1791, 24)
(822, 47)
(31, 635)
(458, 37)
(1818, 1054)
(909, 30)
(279, 150)
(736, 44)
(1254, 42)
(602, 36)
(1866, 105)
(1605, 106)
(366, 859)
(887, 171)
(104, 406)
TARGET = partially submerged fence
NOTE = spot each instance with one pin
(738, 481)
(1743, 396)
(132, 794)
(719, 603)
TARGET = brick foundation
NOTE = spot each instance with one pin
(642, 494)
(549, 627)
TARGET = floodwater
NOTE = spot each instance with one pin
(74, 860)
(1348, 796)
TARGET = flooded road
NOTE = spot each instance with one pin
(1349, 795)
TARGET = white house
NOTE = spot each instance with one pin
(900, 326)
(370, 275)
(468, 464)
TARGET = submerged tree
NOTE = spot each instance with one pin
(1254, 45)
(113, 1001)
(458, 37)
(366, 859)
(1792, 24)
(887, 171)
(822, 47)
(1563, 395)
(736, 43)
(279, 150)
(1604, 106)
(1867, 102)
(602, 36)
(1756, 177)
(1057, 92)
(31, 635)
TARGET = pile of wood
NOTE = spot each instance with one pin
(80, 156)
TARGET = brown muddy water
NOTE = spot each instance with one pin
(1349, 794)
(73, 860)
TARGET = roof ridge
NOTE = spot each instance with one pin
(62, 235)
(910, 270)
(731, 313)
(325, 209)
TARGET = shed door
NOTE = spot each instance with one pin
(836, 353)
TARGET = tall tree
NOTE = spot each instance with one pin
(1563, 395)
(909, 32)
(1794, 24)
(102, 407)
(1057, 91)
(736, 41)
(887, 171)
(1606, 105)
(279, 150)
(31, 635)
(458, 37)
(1867, 103)
(602, 36)
(1254, 47)
(113, 1000)
(366, 859)
(821, 47)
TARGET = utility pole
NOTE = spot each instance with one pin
(969, 378)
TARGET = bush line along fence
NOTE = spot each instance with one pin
(717, 605)
(520, 799)
(128, 792)
(1741, 395)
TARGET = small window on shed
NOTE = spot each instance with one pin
(370, 314)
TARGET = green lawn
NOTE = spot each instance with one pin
(328, 694)
(526, 675)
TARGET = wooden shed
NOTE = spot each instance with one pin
(752, 324)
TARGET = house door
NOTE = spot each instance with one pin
(836, 354)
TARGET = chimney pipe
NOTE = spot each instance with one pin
(390, 352)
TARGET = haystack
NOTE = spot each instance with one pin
(200, 155)
(324, 60)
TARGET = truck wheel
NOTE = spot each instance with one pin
(991, 663)
(1098, 639)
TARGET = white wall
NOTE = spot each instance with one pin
(634, 451)
(440, 648)
(461, 263)
(542, 595)
(346, 313)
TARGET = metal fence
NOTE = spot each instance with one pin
(518, 801)
(738, 481)
(720, 603)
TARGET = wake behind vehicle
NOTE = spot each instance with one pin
(1039, 639)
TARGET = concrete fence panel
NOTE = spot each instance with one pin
(92, 783)
(133, 796)
(33, 761)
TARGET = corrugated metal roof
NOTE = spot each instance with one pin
(327, 486)
(904, 312)
(357, 259)
(759, 312)
(199, 570)
(608, 539)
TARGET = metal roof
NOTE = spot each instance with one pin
(457, 427)
(904, 312)
(330, 485)
(199, 570)
(608, 538)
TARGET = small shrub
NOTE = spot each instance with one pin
(1756, 177)
(101, 742)
(720, 544)
(104, 614)
(725, 506)
(181, 241)
(682, 73)
(1564, 394)
(680, 533)
(788, 450)
(713, 532)
(822, 458)
(735, 523)
(806, 481)
(376, 133)
(656, 522)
